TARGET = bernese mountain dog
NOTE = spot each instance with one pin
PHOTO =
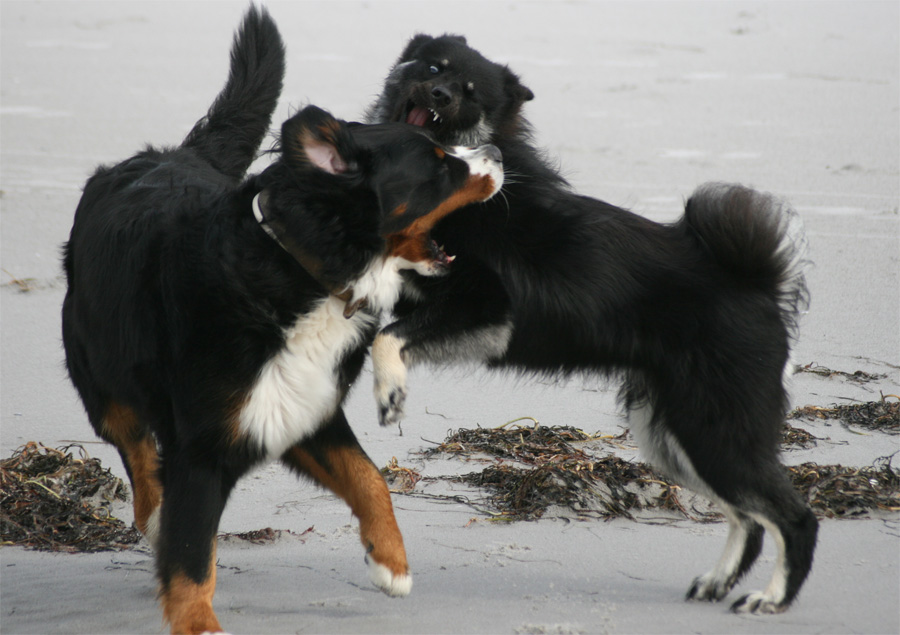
(213, 321)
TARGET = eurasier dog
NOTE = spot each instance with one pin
(696, 317)
(212, 323)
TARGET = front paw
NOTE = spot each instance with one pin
(390, 405)
(390, 378)
(389, 582)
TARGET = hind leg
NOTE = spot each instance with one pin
(741, 550)
(196, 490)
(765, 500)
(137, 448)
(334, 459)
(754, 492)
(794, 527)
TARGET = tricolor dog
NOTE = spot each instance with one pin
(213, 322)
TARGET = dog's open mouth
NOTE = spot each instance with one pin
(422, 116)
(440, 258)
(420, 252)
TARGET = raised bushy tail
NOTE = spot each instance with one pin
(229, 136)
(756, 237)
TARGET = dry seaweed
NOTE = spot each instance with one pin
(537, 468)
(400, 479)
(837, 491)
(52, 501)
(881, 415)
(796, 438)
(607, 488)
(858, 376)
(24, 285)
(263, 536)
(522, 444)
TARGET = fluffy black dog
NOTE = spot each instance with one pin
(696, 316)
(211, 324)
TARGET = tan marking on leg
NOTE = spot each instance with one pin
(353, 477)
(147, 488)
(122, 428)
(187, 605)
(234, 436)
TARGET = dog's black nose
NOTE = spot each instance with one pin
(493, 153)
(441, 95)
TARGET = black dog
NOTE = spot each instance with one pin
(697, 316)
(211, 324)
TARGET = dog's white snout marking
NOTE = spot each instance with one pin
(478, 157)
(486, 160)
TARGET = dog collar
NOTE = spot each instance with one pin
(276, 232)
(263, 221)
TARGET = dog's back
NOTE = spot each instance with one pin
(212, 158)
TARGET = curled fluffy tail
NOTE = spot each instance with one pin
(757, 237)
(229, 136)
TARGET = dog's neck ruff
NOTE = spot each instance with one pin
(274, 230)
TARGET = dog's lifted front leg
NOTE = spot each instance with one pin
(390, 377)
(475, 327)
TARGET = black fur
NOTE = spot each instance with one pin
(178, 299)
(696, 316)
(230, 134)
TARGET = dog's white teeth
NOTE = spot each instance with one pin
(451, 258)
(436, 117)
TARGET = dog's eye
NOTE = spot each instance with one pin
(470, 87)
(434, 69)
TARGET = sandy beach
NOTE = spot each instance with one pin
(640, 103)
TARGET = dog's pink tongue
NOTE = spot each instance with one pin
(418, 116)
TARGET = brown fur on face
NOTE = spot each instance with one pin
(411, 243)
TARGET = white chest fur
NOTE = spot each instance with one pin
(297, 390)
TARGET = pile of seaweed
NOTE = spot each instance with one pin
(883, 415)
(796, 438)
(605, 488)
(533, 445)
(837, 491)
(536, 469)
(53, 501)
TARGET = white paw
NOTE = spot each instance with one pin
(390, 406)
(708, 587)
(390, 378)
(384, 579)
(759, 603)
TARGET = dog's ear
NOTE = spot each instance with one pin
(514, 87)
(460, 39)
(413, 46)
(314, 139)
